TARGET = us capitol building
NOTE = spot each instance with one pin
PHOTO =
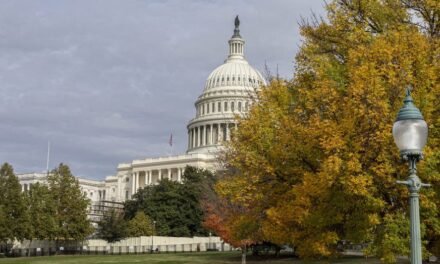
(229, 90)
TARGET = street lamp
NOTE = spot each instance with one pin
(152, 236)
(410, 133)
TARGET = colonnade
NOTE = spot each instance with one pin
(209, 134)
(143, 178)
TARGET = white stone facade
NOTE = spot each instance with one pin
(229, 91)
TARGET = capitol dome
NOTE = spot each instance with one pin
(229, 90)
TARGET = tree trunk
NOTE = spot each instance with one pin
(243, 255)
(29, 248)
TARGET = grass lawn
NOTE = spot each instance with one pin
(188, 258)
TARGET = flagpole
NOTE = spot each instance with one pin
(47, 161)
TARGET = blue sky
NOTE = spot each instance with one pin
(108, 81)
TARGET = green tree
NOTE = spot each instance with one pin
(176, 207)
(14, 223)
(112, 227)
(71, 205)
(42, 211)
(140, 225)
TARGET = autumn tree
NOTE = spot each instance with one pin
(232, 222)
(140, 225)
(314, 162)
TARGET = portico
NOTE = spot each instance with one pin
(145, 172)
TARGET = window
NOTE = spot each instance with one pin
(127, 179)
(207, 108)
(232, 106)
(126, 194)
(246, 106)
(91, 194)
(238, 78)
(239, 106)
(203, 109)
(226, 107)
(113, 190)
(213, 107)
(219, 106)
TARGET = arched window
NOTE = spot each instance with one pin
(203, 109)
(232, 106)
(226, 107)
(207, 108)
(246, 106)
(219, 106)
(213, 107)
(239, 106)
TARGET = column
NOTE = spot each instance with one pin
(137, 180)
(169, 174)
(219, 127)
(212, 134)
(179, 174)
(193, 137)
(197, 137)
(208, 133)
(160, 175)
(203, 135)
(147, 177)
(133, 186)
(189, 139)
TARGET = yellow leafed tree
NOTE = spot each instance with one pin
(314, 161)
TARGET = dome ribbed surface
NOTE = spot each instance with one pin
(234, 73)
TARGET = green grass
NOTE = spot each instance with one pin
(188, 258)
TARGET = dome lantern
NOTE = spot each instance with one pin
(236, 43)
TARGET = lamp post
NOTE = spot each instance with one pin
(410, 133)
(152, 236)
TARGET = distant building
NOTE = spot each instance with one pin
(229, 90)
